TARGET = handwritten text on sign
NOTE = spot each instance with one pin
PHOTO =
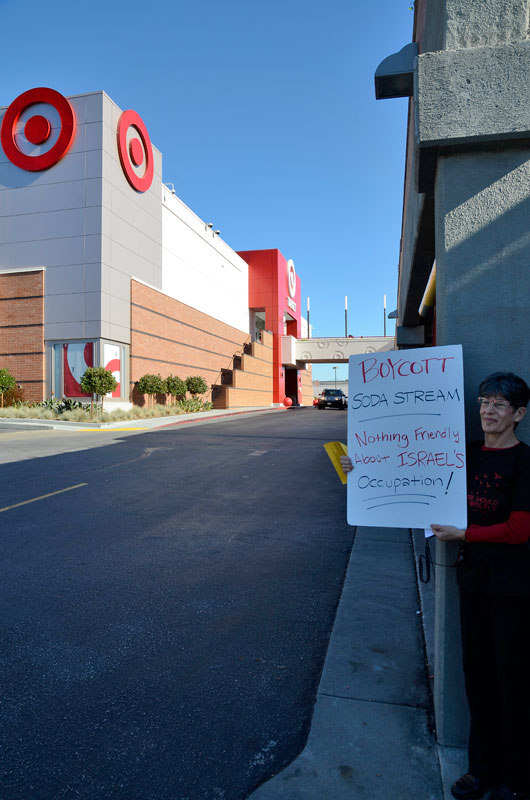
(406, 438)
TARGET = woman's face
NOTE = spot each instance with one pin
(497, 415)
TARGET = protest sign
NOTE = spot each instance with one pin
(406, 438)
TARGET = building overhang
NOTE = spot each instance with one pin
(325, 350)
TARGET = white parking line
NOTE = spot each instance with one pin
(42, 497)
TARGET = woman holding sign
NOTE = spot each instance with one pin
(494, 580)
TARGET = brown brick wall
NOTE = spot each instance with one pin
(263, 349)
(22, 330)
(249, 380)
(169, 337)
(237, 398)
(257, 365)
(252, 384)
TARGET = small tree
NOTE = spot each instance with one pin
(176, 387)
(7, 382)
(151, 385)
(196, 385)
(97, 381)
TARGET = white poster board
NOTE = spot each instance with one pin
(406, 438)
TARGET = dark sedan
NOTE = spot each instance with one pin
(332, 398)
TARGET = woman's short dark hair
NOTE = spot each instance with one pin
(510, 386)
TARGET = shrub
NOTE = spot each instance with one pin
(63, 406)
(15, 397)
(52, 403)
(98, 381)
(196, 385)
(190, 404)
(176, 387)
(7, 382)
(151, 384)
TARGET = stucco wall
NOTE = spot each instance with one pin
(457, 24)
(483, 253)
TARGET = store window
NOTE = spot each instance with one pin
(71, 359)
(112, 358)
(257, 324)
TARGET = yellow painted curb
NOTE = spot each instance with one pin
(108, 430)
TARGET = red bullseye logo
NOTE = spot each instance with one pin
(135, 151)
(37, 129)
(291, 278)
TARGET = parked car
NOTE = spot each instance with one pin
(332, 398)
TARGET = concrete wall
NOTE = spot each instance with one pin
(483, 253)
(467, 204)
(469, 23)
(459, 24)
(482, 95)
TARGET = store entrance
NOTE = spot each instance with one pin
(291, 385)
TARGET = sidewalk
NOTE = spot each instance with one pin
(137, 424)
(372, 734)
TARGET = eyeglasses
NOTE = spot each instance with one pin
(499, 405)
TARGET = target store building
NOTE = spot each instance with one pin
(101, 264)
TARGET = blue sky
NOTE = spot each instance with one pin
(266, 118)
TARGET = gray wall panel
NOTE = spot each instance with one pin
(54, 331)
(92, 274)
(65, 280)
(64, 308)
(92, 306)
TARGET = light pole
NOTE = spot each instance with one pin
(345, 317)
(384, 315)
(335, 368)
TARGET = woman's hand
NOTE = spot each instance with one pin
(447, 533)
(346, 464)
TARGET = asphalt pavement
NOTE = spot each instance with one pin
(184, 673)
(167, 602)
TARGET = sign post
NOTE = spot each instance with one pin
(406, 438)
